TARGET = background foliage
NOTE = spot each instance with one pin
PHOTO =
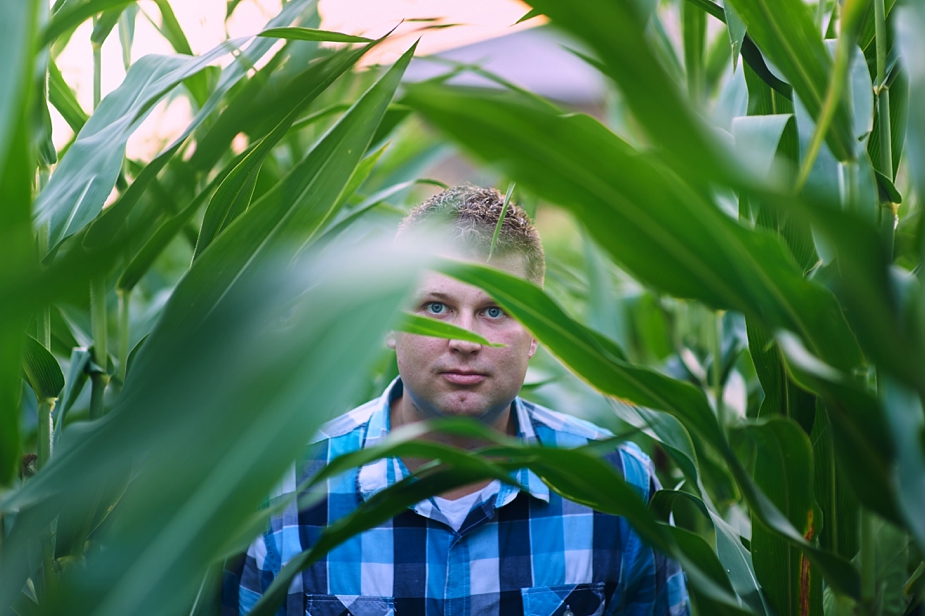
(734, 281)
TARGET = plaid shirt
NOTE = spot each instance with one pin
(517, 552)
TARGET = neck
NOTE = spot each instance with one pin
(403, 412)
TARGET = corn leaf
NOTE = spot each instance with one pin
(424, 326)
(42, 370)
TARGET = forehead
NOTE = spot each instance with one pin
(437, 283)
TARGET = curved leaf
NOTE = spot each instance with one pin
(235, 191)
(109, 223)
(87, 173)
(424, 326)
(42, 370)
(75, 13)
(664, 232)
(784, 454)
(311, 34)
(736, 560)
(589, 359)
(785, 32)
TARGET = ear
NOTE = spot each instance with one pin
(390, 340)
(533, 346)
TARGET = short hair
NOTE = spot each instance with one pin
(471, 215)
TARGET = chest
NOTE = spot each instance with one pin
(528, 557)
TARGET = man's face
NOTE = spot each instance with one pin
(458, 378)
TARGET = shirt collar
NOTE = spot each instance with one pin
(385, 472)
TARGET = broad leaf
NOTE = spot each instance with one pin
(88, 172)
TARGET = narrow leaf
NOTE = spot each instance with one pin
(424, 326)
(310, 34)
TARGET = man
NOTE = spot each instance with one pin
(487, 548)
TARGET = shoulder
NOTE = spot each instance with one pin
(554, 429)
(348, 423)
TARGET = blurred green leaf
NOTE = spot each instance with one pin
(171, 29)
(736, 560)
(616, 32)
(310, 34)
(75, 13)
(110, 222)
(910, 35)
(18, 24)
(906, 422)
(586, 353)
(87, 173)
(105, 22)
(76, 378)
(785, 33)
(42, 370)
(231, 360)
(784, 453)
(736, 29)
(232, 197)
(658, 228)
(424, 326)
(862, 442)
(62, 97)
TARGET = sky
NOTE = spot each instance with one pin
(205, 27)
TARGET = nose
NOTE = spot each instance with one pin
(466, 321)
(464, 346)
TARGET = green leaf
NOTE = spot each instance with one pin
(616, 31)
(18, 23)
(887, 190)
(310, 34)
(144, 259)
(192, 380)
(586, 353)
(906, 422)
(528, 15)
(62, 97)
(17, 29)
(735, 559)
(75, 13)
(661, 230)
(171, 29)
(234, 194)
(783, 455)
(863, 445)
(107, 226)
(42, 370)
(785, 32)
(736, 29)
(910, 35)
(424, 326)
(88, 172)
(105, 22)
(76, 378)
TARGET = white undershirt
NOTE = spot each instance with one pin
(457, 510)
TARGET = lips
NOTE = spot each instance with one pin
(461, 377)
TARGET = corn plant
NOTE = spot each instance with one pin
(181, 344)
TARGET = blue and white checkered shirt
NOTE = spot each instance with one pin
(517, 552)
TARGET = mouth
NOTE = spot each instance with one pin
(463, 377)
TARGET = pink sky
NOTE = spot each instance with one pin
(203, 23)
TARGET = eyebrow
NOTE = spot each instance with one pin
(444, 297)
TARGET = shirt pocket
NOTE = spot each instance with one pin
(577, 599)
(348, 605)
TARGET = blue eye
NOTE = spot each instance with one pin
(436, 308)
(494, 312)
